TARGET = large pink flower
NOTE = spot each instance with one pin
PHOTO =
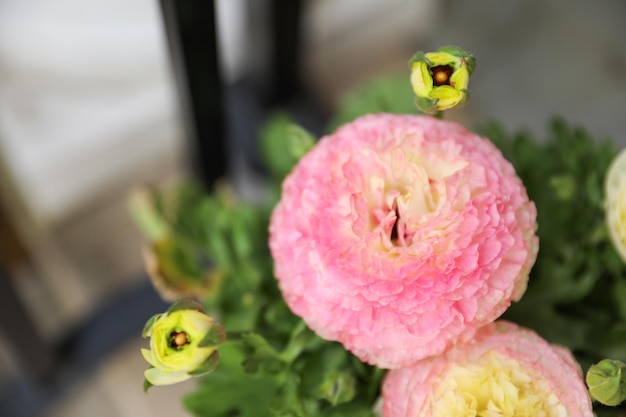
(504, 371)
(398, 235)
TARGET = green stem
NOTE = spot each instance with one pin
(236, 336)
(373, 389)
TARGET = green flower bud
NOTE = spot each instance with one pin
(183, 343)
(440, 78)
(607, 382)
(175, 271)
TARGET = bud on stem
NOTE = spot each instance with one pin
(607, 382)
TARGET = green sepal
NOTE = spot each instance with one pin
(299, 141)
(607, 382)
(427, 105)
(338, 387)
(185, 304)
(468, 57)
(214, 337)
(207, 366)
(419, 56)
(148, 326)
(147, 384)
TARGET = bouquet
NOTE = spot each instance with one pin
(401, 265)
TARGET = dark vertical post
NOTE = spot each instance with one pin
(192, 37)
(285, 22)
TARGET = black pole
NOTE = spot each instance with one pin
(285, 63)
(192, 37)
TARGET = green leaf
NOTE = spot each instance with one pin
(228, 391)
(387, 94)
(262, 357)
(283, 143)
(301, 338)
(141, 206)
(564, 186)
(350, 410)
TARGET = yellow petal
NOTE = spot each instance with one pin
(448, 96)
(442, 58)
(421, 80)
(460, 78)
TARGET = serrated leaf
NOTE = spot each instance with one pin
(229, 391)
(262, 357)
(301, 337)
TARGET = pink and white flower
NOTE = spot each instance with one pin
(399, 235)
(505, 370)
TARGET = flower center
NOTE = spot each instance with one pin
(178, 340)
(494, 385)
(441, 75)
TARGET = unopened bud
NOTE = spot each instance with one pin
(607, 382)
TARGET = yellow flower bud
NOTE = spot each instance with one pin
(183, 343)
(440, 79)
(607, 382)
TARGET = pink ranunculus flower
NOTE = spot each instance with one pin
(399, 235)
(504, 371)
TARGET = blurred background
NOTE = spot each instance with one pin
(98, 96)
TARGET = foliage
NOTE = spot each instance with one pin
(576, 295)
(386, 94)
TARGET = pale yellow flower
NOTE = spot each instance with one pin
(615, 194)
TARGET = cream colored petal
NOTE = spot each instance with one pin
(156, 377)
(147, 355)
(615, 194)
